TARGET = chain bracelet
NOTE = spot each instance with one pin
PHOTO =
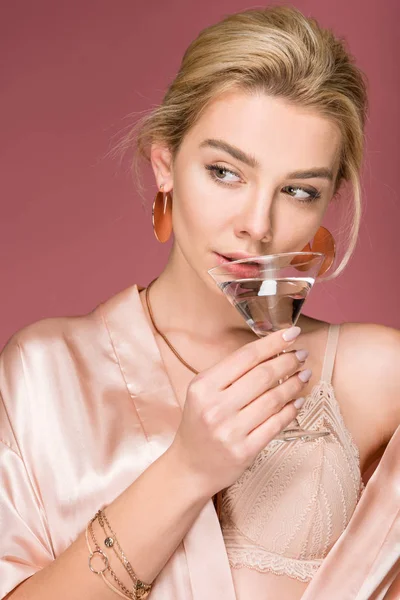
(101, 572)
(141, 589)
(109, 542)
(107, 565)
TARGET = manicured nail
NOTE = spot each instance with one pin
(305, 375)
(299, 402)
(301, 355)
(291, 334)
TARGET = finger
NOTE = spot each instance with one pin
(270, 403)
(234, 366)
(262, 378)
(260, 437)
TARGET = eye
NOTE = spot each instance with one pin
(223, 175)
(302, 194)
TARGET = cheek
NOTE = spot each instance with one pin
(197, 219)
(296, 225)
(200, 208)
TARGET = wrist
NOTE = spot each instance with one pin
(191, 479)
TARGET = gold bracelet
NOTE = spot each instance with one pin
(110, 543)
(128, 593)
(112, 587)
(140, 590)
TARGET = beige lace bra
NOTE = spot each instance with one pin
(291, 505)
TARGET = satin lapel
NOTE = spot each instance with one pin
(364, 561)
(140, 362)
(210, 573)
(159, 413)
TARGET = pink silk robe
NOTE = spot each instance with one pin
(86, 406)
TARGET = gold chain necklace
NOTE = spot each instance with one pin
(170, 346)
(217, 499)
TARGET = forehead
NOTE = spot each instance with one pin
(278, 134)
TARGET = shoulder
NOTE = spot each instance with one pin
(40, 364)
(37, 335)
(54, 339)
(373, 352)
(25, 362)
(370, 338)
(45, 342)
(368, 367)
(41, 334)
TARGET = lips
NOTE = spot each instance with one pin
(248, 270)
(239, 256)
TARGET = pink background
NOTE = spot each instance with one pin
(73, 230)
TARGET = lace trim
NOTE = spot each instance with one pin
(263, 561)
(266, 562)
(250, 555)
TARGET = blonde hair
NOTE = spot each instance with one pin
(279, 51)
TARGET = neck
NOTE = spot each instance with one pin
(183, 303)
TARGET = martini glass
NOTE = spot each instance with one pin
(269, 292)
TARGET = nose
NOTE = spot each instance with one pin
(255, 219)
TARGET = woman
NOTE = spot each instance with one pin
(118, 427)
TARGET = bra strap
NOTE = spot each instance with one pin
(330, 353)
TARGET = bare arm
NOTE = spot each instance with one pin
(150, 518)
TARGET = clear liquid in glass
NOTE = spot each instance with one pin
(268, 305)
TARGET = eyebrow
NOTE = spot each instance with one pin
(234, 151)
(251, 161)
(322, 173)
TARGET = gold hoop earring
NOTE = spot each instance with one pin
(162, 216)
(323, 242)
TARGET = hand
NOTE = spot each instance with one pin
(235, 408)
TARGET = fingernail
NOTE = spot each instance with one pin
(299, 402)
(291, 334)
(305, 375)
(301, 355)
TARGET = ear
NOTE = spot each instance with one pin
(161, 161)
